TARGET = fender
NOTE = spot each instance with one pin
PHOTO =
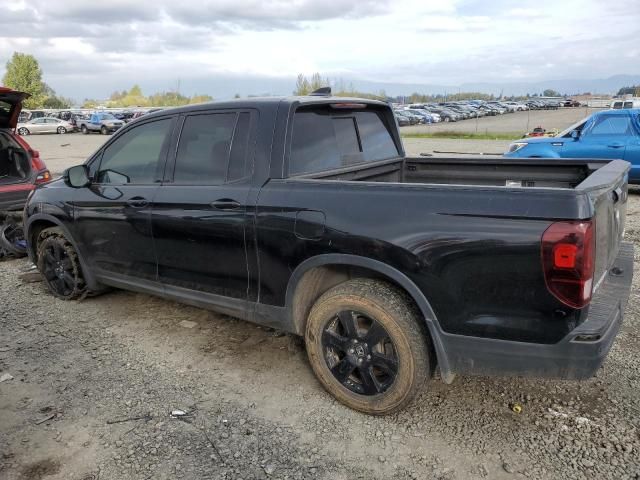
(86, 271)
(401, 279)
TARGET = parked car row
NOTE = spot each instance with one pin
(68, 121)
(422, 113)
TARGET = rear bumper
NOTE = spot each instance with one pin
(578, 356)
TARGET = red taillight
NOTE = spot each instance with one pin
(568, 261)
(43, 177)
(348, 105)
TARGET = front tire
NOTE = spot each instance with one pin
(62, 130)
(22, 131)
(84, 129)
(366, 347)
(58, 263)
(104, 130)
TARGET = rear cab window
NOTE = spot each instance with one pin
(325, 138)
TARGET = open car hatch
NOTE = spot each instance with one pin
(10, 106)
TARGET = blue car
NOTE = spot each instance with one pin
(606, 134)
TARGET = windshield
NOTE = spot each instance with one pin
(107, 116)
(576, 126)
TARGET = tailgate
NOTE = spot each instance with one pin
(607, 189)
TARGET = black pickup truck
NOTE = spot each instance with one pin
(304, 214)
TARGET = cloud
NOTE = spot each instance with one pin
(89, 48)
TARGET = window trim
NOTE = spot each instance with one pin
(169, 177)
(164, 150)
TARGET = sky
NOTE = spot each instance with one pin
(88, 49)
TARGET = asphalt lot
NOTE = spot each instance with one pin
(94, 381)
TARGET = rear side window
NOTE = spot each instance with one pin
(212, 149)
(134, 157)
(611, 125)
(324, 139)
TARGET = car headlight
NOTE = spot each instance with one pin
(514, 147)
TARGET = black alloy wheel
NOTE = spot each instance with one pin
(58, 263)
(360, 353)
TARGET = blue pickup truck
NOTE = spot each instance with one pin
(606, 134)
(102, 122)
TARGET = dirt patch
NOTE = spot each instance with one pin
(41, 469)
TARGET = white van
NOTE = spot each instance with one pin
(626, 103)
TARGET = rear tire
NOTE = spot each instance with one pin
(366, 346)
(59, 265)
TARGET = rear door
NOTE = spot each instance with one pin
(200, 212)
(632, 152)
(51, 125)
(604, 136)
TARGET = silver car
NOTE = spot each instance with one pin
(44, 125)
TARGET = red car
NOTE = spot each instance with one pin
(21, 170)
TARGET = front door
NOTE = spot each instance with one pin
(113, 215)
(200, 212)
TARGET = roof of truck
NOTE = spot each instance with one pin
(257, 102)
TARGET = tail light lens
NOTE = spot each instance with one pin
(568, 250)
(43, 177)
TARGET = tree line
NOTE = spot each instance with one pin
(632, 90)
(135, 98)
(23, 73)
(305, 85)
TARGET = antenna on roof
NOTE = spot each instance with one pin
(322, 92)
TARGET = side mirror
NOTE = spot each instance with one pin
(78, 176)
(575, 134)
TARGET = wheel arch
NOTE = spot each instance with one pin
(318, 274)
(36, 223)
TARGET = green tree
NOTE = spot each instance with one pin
(632, 90)
(57, 102)
(24, 74)
(550, 93)
(135, 91)
(90, 103)
(201, 99)
(302, 86)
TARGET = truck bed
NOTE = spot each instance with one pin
(501, 172)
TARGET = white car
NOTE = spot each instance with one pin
(44, 125)
(519, 107)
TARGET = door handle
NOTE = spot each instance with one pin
(616, 145)
(137, 202)
(225, 204)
